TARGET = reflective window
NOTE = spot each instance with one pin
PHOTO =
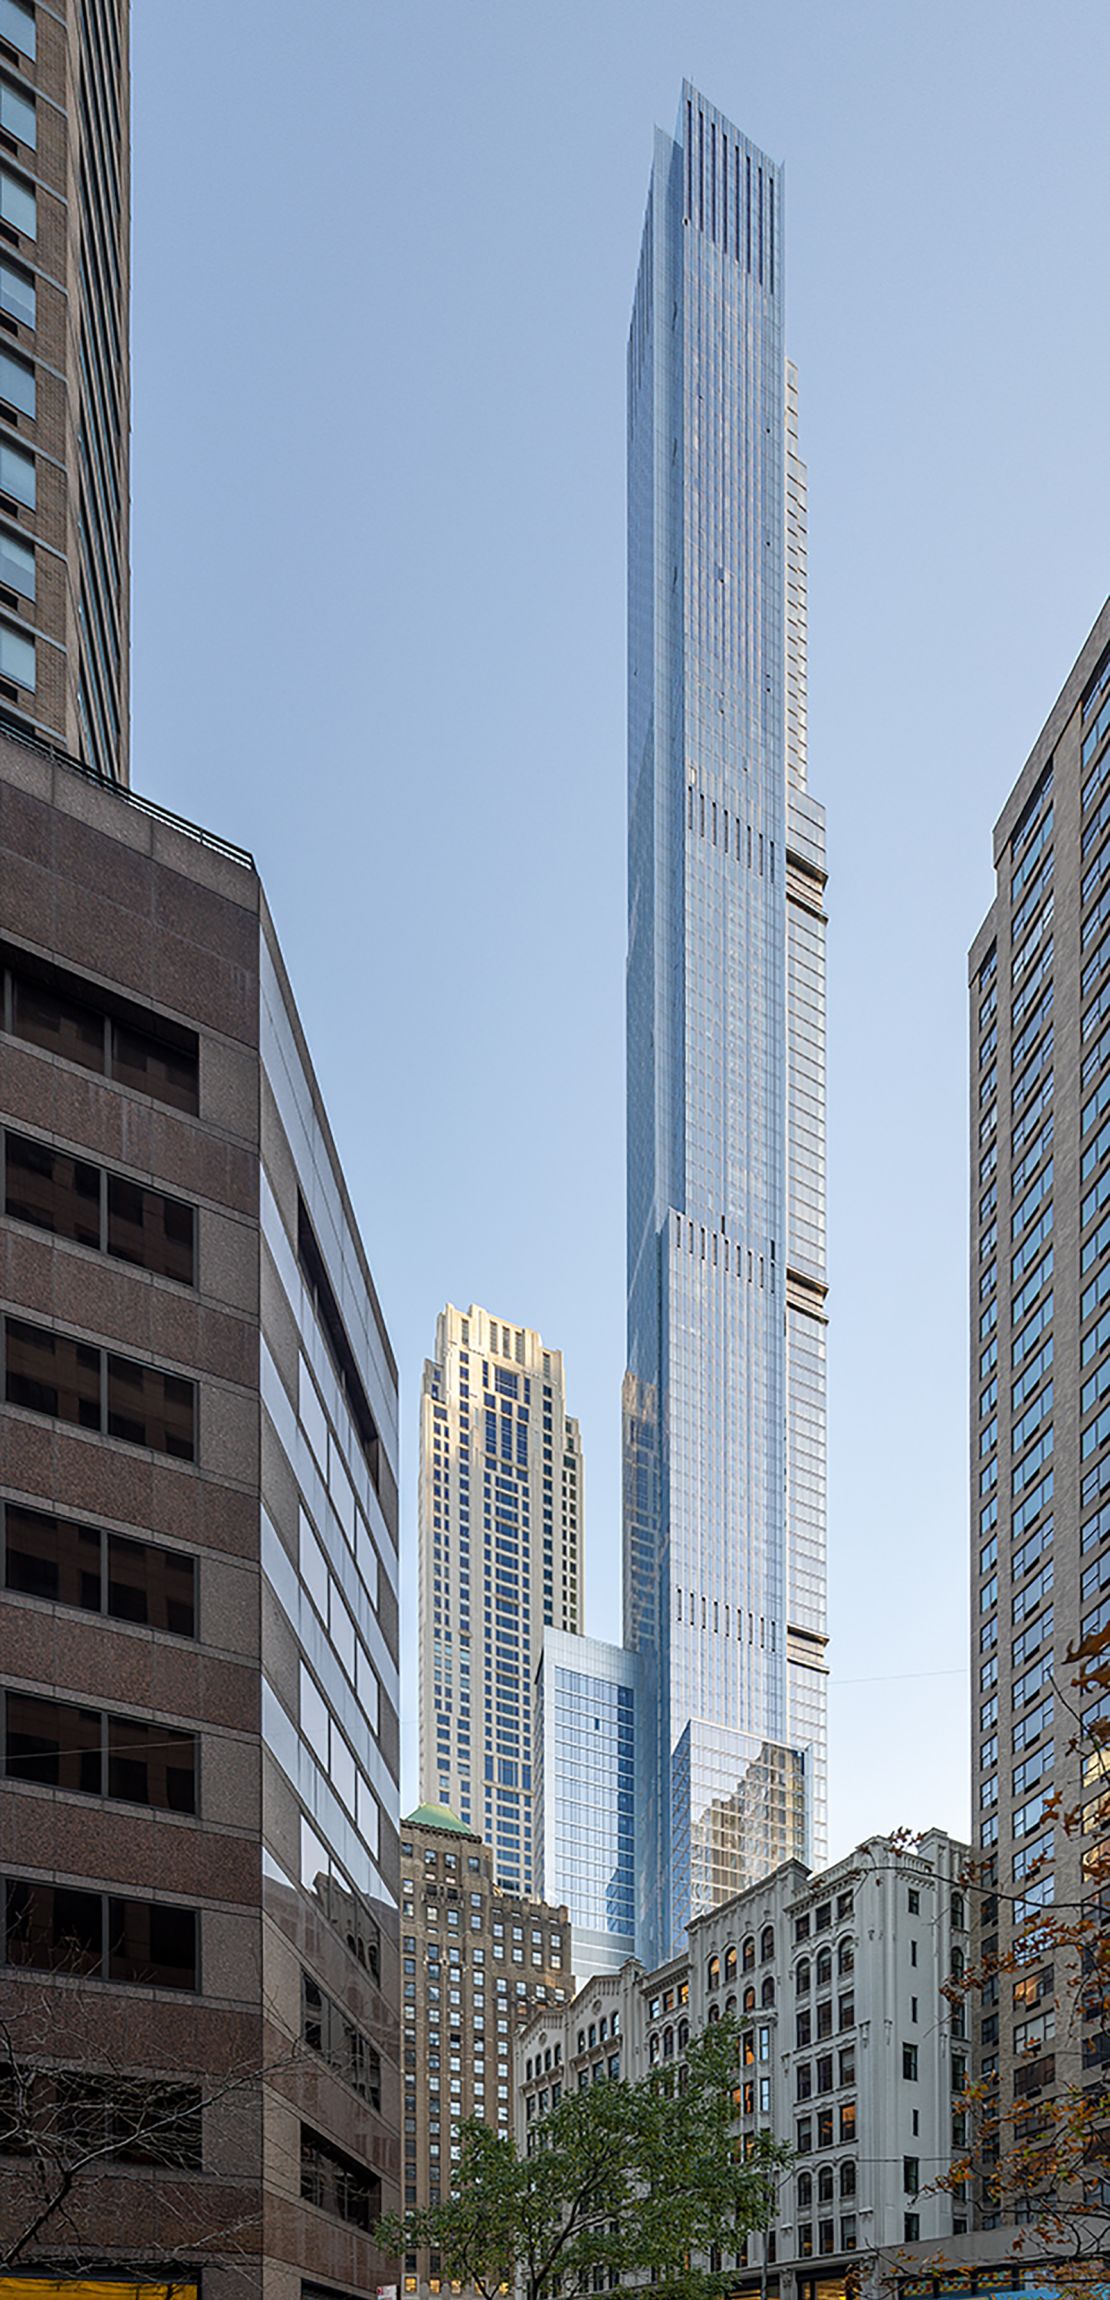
(17, 564)
(17, 113)
(17, 382)
(17, 292)
(17, 657)
(17, 474)
(17, 24)
(17, 202)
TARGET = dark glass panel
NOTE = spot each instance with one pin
(54, 1928)
(53, 1742)
(148, 1941)
(63, 1025)
(169, 1073)
(53, 1374)
(151, 1765)
(151, 1230)
(152, 1585)
(147, 1407)
(54, 1191)
(49, 1558)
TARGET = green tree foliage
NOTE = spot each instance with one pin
(621, 2181)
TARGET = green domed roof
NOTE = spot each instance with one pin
(437, 1817)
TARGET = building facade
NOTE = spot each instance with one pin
(65, 412)
(724, 1402)
(198, 1598)
(588, 1792)
(1040, 1367)
(500, 1536)
(476, 1961)
(850, 2053)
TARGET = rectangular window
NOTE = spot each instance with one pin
(909, 2062)
(62, 1746)
(17, 657)
(17, 564)
(58, 1011)
(56, 1928)
(326, 2029)
(17, 293)
(64, 1564)
(17, 474)
(17, 381)
(17, 113)
(17, 26)
(52, 1373)
(17, 203)
(336, 2183)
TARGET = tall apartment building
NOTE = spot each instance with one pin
(725, 1391)
(1040, 1365)
(65, 375)
(500, 1535)
(589, 1789)
(198, 1595)
(476, 1961)
(850, 2053)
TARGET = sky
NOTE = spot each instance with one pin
(384, 253)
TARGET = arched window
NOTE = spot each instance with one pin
(714, 2012)
(805, 2191)
(749, 1998)
(767, 1992)
(848, 2176)
(668, 2044)
(730, 2005)
(802, 1977)
(766, 1944)
(824, 1968)
(846, 1958)
(683, 2035)
(749, 1954)
(713, 1973)
(730, 1962)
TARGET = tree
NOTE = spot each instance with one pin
(622, 2180)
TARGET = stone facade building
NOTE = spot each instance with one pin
(198, 1571)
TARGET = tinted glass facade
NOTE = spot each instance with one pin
(587, 1794)
(724, 1396)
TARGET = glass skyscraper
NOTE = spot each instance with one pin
(588, 1791)
(724, 1406)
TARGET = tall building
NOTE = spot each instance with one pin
(724, 1401)
(476, 1962)
(198, 1593)
(588, 1791)
(500, 1534)
(1040, 1366)
(851, 2054)
(65, 412)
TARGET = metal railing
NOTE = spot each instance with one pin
(15, 734)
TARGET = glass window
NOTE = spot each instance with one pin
(155, 1232)
(51, 1189)
(17, 203)
(17, 382)
(17, 563)
(17, 25)
(17, 474)
(17, 112)
(150, 1408)
(50, 1373)
(17, 292)
(17, 657)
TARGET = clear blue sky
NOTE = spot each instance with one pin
(384, 255)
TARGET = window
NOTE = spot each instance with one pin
(17, 202)
(335, 2183)
(17, 378)
(63, 1746)
(51, 1008)
(326, 2030)
(72, 1199)
(17, 657)
(17, 561)
(65, 1564)
(17, 26)
(848, 2177)
(909, 2062)
(72, 1381)
(847, 2119)
(52, 1928)
(17, 112)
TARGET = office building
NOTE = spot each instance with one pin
(65, 406)
(1040, 1365)
(476, 1961)
(724, 1402)
(198, 1597)
(588, 1793)
(500, 1535)
(851, 2054)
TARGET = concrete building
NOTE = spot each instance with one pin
(589, 1788)
(500, 1534)
(724, 1400)
(65, 409)
(198, 1600)
(476, 1961)
(1040, 1366)
(850, 2053)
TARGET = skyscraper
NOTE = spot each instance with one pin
(500, 1533)
(588, 1792)
(725, 1392)
(65, 414)
(1039, 979)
